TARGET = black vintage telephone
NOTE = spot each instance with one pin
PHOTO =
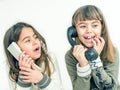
(90, 54)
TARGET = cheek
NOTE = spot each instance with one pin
(80, 35)
(98, 33)
(27, 48)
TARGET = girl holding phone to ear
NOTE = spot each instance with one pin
(92, 32)
(24, 74)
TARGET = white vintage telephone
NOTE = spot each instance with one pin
(15, 51)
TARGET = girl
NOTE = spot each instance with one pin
(34, 51)
(92, 32)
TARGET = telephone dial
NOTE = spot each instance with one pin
(90, 54)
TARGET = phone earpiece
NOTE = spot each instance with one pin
(90, 54)
(71, 33)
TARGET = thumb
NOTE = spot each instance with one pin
(33, 66)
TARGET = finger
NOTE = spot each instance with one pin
(25, 78)
(102, 40)
(94, 43)
(77, 49)
(27, 81)
(97, 40)
(24, 73)
(21, 58)
(25, 69)
(28, 61)
(24, 59)
(33, 66)
(85, 49)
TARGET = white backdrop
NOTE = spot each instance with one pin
(52, 18)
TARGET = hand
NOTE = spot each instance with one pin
(25, 60)
(98, 44)
(31, 75)
(79, 54)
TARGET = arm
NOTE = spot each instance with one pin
(34, 76)
(109, 73)
(18, 87)
(21, 85)
(55, 80)
(80, 77)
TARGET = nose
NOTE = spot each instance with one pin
(89, 29)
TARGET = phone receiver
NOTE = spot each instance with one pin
(14, 49)
(90, 54)
(71, 32)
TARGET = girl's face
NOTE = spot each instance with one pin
(29, 42)
(88, 30)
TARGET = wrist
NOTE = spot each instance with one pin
(44, 82)
(39, 78)
(83, 64)
(83, 71)
(96, 63)
(23, 84)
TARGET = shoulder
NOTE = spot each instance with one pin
(52, 57)
(54, 66)
(116, 55)
(68, 54)
(116, 51)
(69, 58)
(53, 61)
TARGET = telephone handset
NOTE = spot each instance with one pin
(14, 49)
(90, 54)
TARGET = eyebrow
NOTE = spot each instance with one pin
(82, 22)
(96, 21)
(27, 37)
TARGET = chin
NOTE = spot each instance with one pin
(36, 57)
(89, 45)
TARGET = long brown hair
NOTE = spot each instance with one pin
(12, 35)
(90, 12)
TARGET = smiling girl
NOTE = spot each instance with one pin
(34, 51)
(92, 32)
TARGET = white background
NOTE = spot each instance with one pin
(52, 18)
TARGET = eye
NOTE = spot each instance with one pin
(27, 40)
(95, 25)
(82, 26)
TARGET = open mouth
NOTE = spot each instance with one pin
(89, 37)
(37, 49)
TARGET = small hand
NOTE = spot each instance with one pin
(25, 60)
(98, 44)
(31, 75)
(79, 54)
